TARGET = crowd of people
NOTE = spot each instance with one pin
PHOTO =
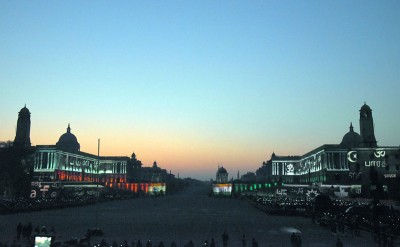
(18, 205)
(25, 234)
(23, 204)
(342, 217)
(189, 243)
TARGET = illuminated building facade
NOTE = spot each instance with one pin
(221, 186)
(53, 164)
(222, 175)
(65, 162)
(357, 160)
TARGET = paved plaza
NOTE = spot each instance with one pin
(187, 215)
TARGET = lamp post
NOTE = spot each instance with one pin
(98, 179)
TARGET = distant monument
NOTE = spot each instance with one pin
(22, 137)
(222, 175)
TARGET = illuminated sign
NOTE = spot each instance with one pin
(222, 189)
(379, 153)
(281, 192)
(42, 241)
(157, 188)
(389, 175)
(375, 160)
(375, 163)
(290, 169)
(355, 175)
(312, 193)
(46, 189)
(352, 156)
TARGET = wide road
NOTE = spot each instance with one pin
(187, 215)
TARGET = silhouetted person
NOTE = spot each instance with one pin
(148, 243)
(44, 229)
(173, 244)
(53, 231)
(103, 243)
(391, 242)
(356, 225)
(333, 227)
(205, 244)
(29, 229)
(37, 230)
(24, 231)
(339, 243)
(225, 239)
(243, 241)
(293, 239)
(19, 230)
(254, 243)
(299, 241)
(212, 244)
(385, 240)
(139, 244)
(189, 244)
(341, 224)
(161, 244)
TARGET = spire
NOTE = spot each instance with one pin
(68, 129)
(351, 127)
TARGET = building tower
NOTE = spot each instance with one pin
(22, 137)
(367, 127)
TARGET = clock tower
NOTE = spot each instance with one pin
(367, 127)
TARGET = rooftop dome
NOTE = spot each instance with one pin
(68, 142)
(221, 170)
(351, 139)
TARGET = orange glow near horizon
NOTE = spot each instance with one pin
(186, 154)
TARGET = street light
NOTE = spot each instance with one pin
(98, 180)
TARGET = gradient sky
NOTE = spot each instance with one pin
(194, 84)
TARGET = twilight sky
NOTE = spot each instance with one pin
(194, 84)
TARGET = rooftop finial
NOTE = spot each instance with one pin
(68, 129)
(351, 127)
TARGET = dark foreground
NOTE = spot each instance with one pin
(188, 215)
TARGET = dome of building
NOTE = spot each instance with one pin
(68, 142)
(351, 139)
(222, 175)
(221, 170)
